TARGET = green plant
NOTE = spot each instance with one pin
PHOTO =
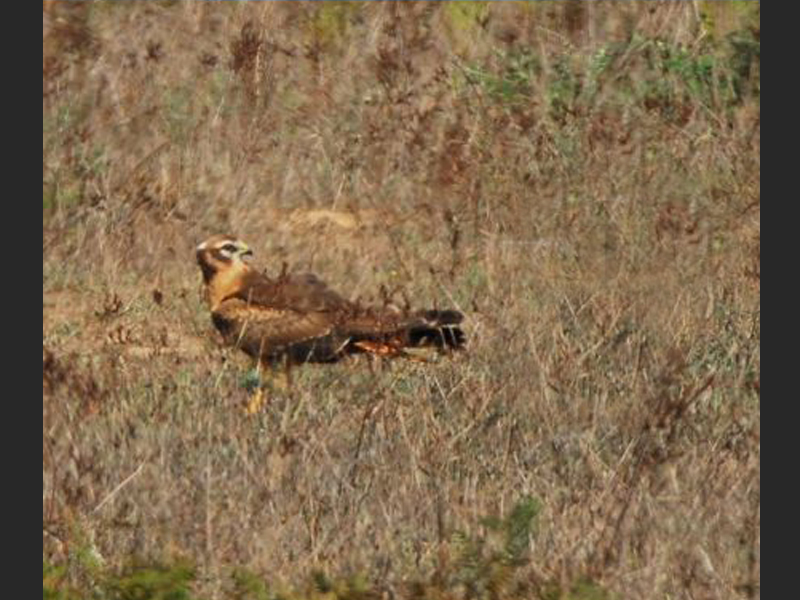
(583, 589)
(486, 564)
(153, 582)
(514, 83)
(54, 584)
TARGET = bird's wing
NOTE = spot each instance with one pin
(304, 293)
(264, 330)
(301, 317)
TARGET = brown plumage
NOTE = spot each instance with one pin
(298, 318)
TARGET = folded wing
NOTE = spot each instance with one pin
(302, 319)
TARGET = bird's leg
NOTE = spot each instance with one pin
(279, 375)
(287, 374)
(256, 400)
(276, 376)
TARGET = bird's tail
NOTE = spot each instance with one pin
(438, 328)
(388, 334)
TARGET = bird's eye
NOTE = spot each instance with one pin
(229, 248)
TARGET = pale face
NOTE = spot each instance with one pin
(222, 252)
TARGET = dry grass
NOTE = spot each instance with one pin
(518, 162)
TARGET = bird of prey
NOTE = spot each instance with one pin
(296, 318)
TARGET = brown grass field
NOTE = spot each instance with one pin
(582, 180)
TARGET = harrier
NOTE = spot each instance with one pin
(295, 319)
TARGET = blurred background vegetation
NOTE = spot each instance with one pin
(582, 179)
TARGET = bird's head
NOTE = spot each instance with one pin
(222, 253)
